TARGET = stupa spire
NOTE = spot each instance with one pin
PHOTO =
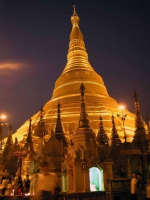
(101, 136)
(16, 141)
(29, 134)
(10, 139)
(7, 152)
(137, 106)
(83, 122)
(140, 132)
(75, 33)
(67, 93)
(77, 56)
(58, 127)
(115, 140)
(59, 133)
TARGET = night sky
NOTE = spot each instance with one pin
(34, 38)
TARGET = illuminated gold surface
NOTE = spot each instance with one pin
(66, 91)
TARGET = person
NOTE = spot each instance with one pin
(9, 186)
(57, 194)
(19, 186)
(133, 195)
(4, 184)
(15, 185)
(26, 184)
(139, 187)
(46, 190)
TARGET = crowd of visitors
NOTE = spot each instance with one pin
(13, 186)
(46, 185)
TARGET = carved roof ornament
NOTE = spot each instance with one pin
(102, 136)
(40, 129)
(83, 122)
(115, 140)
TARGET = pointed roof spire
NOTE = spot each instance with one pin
(7, 152)
(135, 95)
(77, 56)
(28, 141)
(140, 132)
(76, 33)
(102, 136)
(10, 139)
(115, 140)
(83, 122)
(139, 120)
(29, 134)
(40, 129)
(16, 141)
(58, 127)
(59, 133)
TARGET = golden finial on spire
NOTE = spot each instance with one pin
(74, 10)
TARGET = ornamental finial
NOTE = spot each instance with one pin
(74, 10)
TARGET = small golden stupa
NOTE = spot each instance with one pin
(67, 94)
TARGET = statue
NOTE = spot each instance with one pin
(29, 167)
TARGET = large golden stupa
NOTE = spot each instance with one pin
(67, 93)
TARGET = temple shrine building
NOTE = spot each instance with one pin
(79, 132)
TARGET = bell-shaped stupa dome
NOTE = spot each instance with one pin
(67, 93)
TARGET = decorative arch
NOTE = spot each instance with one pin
(96, 179)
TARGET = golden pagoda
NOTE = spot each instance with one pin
(66, 92)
